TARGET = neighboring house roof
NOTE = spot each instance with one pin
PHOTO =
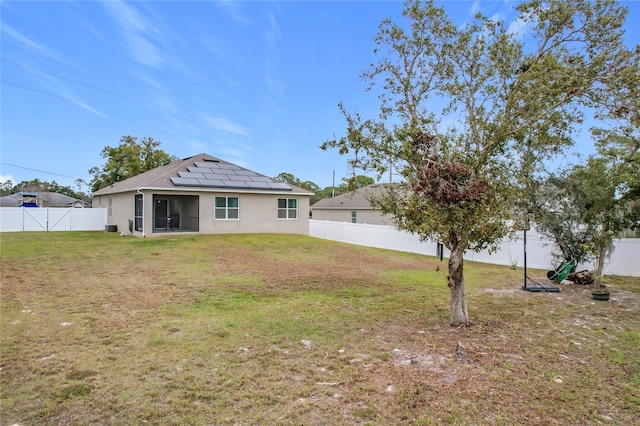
(44, 199)
(201, 172)
(358, 199)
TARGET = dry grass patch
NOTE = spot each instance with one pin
(273, 329)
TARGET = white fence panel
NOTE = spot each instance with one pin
(18, 219)
(88, 219)
(11, 219)
(34, 219)
(356, 233)
(376, 236)
(336, 231)
(59, 220)
(624, 261)
(397, 240)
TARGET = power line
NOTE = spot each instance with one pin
(73, 100)
(63, 78)
(37, 170)
(50, 53)
(38, 91)
(55, 55)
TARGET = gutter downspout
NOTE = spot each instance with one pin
(142, 193)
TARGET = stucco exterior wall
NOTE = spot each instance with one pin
(258, 213)
(120, 210)
(369, 216)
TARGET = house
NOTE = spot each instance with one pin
(41, 199)
(354, 207)
(206, 195)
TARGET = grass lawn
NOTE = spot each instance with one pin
(274, 329)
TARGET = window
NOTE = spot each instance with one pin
(287, 208)
(354, 217)
(226, 208)
(138, 212)
(110, 206)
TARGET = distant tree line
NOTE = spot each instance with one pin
(347, 185)
(36, 185)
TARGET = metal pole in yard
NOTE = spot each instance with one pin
(333, 185)
(525, 259)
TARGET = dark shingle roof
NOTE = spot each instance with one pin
(358, 199)
(199, 172)
(45, 199)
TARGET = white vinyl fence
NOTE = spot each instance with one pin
(624, 261)
(18, 219)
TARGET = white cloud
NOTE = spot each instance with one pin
(518, 28)
(16, 35)
(6, 178)
(144, 51)
(276, 87)
(153, 83)
(475, 8)
(225, 125)
(196, 146)
(55, 87)
(238, 161)
(234, 153)
(138, 33)
(233, 9)
(83, 105)
(214, 45)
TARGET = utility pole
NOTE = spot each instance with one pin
(333, 185)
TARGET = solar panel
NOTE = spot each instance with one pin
(219, 174)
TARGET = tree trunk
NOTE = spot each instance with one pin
(602, 255)
(604, 246)
(459, 313)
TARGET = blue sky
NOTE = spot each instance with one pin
(253, 83)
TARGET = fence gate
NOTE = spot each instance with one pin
(18, 219)
(59, 220)
(35, 219)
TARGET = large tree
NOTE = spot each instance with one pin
(607, 211)
(557, 209)
(614, 174)
(131, 157)
(462, 107)
(617, 100)
(589, 205)
(586, 206)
